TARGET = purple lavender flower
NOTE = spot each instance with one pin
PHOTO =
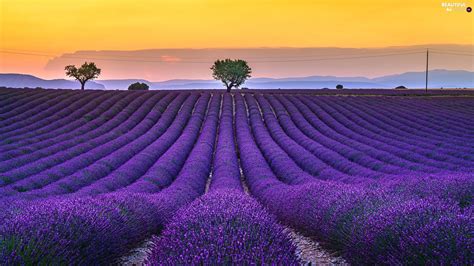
(223, 227)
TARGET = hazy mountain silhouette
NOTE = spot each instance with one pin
(437, 79)
(30, 81)
(168, 64)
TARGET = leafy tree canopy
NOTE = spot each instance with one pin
(232, 73)
(137, 86)
(83, 74)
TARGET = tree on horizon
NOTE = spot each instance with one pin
(232, 73)
(137, 86)
(86, 72)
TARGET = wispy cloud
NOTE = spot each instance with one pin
(170, 58)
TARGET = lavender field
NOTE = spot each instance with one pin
(220, 178)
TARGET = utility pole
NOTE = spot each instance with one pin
(426, 78)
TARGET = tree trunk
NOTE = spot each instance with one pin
(228, 88)
(82, 85)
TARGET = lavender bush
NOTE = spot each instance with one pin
(369, 226)
(223, 227)
(87, 176)
(77, 230)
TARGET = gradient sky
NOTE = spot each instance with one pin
(58, 26)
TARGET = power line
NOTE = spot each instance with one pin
(27, 53)
(426, 75)
(339, 58)
(448, 50)
(85, 55)
(95, 58)
(452, 53)
(307, 57)
(209, 62)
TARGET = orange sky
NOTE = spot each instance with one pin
(58, 26)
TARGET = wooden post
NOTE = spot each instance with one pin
(426, 78)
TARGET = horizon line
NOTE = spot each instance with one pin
(210, 79)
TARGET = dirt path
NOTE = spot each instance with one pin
(307, 250)
(311, 252)
(136, 256)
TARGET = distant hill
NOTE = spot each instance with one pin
(276, 62)
(257, 83)
(437, 79)
(30, 81)
(121, 84)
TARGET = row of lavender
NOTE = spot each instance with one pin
(397, 221)
(377, 92)
(391, 223)
(342, 143)
(385, 92)
(225, 226)
(113, 223)
(278, 154)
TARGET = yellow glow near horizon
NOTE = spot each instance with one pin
(58, 26)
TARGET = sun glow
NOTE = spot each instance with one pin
(59, 26)
(55, 27)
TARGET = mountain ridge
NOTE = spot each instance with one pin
(437, 78)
